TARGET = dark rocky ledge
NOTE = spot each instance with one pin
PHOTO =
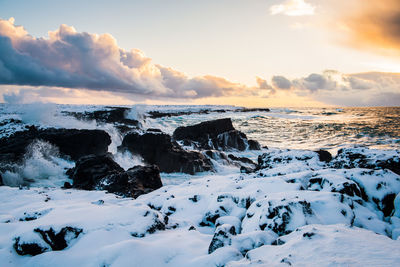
(101, 172)
(216, 134)
(159, 114)
(110, 115)
(158, 148)
(70, 142)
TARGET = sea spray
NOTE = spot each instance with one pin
(41, 166)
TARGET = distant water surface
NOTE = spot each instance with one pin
(309, 128)
(296, 128)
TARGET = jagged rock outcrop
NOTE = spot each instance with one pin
(160, 114)
(103, 173)
(159, 149)
(73, 143)
(367, 158)
(49, 240)
(216, 134)
(90, 169)
(134, 182)
(109, 115)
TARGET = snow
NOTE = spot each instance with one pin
(272, 217)
(327, 245)
(295, 210)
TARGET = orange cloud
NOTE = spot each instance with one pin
(372, 24)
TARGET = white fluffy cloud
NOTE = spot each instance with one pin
(293, 8)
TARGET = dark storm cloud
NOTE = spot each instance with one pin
(71, 59)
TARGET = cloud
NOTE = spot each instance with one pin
(334, 87)
(293, 8)
(372, 24)
(70, 59)
(280, 82)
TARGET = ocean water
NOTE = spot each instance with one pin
(294, 128)
(282, 128)
(308, 128)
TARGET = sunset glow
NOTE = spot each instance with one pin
(264, 53)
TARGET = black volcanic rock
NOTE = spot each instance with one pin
(59, 240)
(216, 134)
(160, 114)
(222, 237)
(367, 158)
(208, 128)
(31, 249)
(71, 142)
(253, 110)
(110, 115)
(103, 173)
(160, 150)
(49, 240)
(324, 155)
(133, 182)
(90, 169)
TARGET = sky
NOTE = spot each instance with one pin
(248, 53)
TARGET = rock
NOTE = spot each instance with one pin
(324, 155)
(200, 131)
(254, 145)
(32, 249)
(158, 114)
(70, 142)
(49, 240)
(247, 170)
(103, 173)
(217, 134)
(110, 115)
(90, 169)
(158, 149)
(241, 159)
(1, 180)
(59, 240)
(67, 185)
(296, 209)
(281, 162)
(216, 155)
(377, 186)
(367, 158)
(154, 130)
(222, 237)
(253, 110)
(133, 182)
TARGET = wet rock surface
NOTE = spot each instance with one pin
(109, 115)
(103, 173)
(158, 114)
(90, 169)
(159, 149)
(134, 182)
(70, 142)
(217, 134)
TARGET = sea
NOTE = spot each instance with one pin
(283, 128)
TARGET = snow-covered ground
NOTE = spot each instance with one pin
(307, 214)
(294, 211)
